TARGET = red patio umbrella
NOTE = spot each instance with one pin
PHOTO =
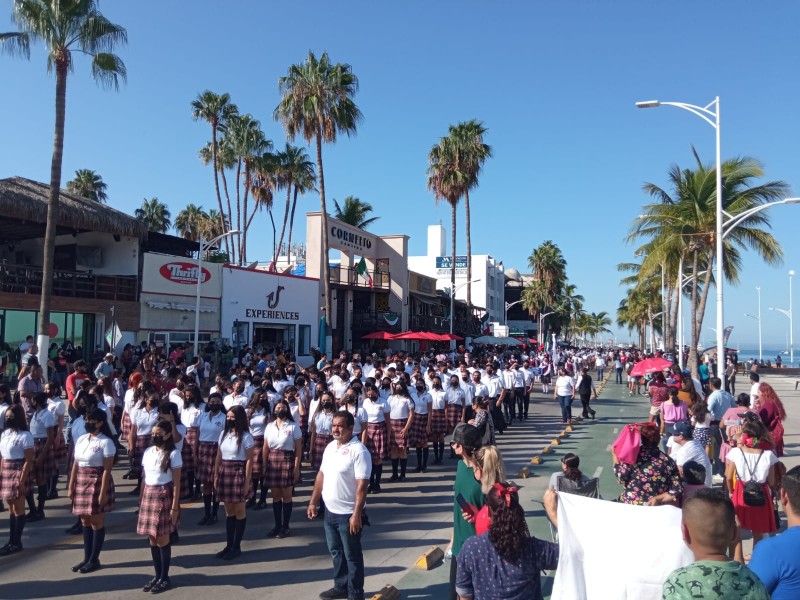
(452, 336)
(413, 335)
(378, 335)
(650, 365)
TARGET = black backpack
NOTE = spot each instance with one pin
(753, 492)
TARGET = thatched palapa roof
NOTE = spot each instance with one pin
(26, 200)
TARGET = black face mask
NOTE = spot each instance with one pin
(11, 423)
(281, 414)
(158, 440)
(420, 388)
(90, 426)
(454, 384)
(81, 411)
(327, 405)
(230, 424)
(385, 386)
(215, 408)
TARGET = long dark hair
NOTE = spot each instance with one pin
(239, 425)
(170, 408)
(216, 395)
(256, 403)
(508, 531)
(687, 385)
(673, 395)
(169, 443)
(571, 463)
(20, 422)
(289, 416)
(98, 414)
(192, 396)
(6, 391)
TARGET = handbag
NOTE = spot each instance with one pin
(628, 442)
(753, 492)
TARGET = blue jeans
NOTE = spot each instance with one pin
(566, 407)
(348, 559)
(618, 375)
(600, 375)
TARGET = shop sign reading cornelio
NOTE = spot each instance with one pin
(348, 240)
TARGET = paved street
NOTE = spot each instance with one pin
(406, 520)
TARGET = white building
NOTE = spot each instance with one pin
(488, 280)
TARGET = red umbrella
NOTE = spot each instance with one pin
(410, 335)
(453, 336)
(650, 365)
(378, 335)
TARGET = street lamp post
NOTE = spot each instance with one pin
(541, 320)
(199, 280)
(453, 306)
(788, 314)
(509, 305)
(758, 320)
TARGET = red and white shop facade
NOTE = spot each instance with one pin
(168, 300)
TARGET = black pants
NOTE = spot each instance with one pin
(453, 570)
(519, 397)
(585, 401)
(508, 407)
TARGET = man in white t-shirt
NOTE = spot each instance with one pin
(755, 380)
(342, 484)
(686, 448)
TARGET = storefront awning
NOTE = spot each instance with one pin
(206, 308)
(425, 299)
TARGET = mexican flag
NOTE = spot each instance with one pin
(362, 271)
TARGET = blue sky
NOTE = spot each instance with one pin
(555, 83)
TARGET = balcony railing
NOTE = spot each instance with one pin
(437, 324)
(349, 276)
(375, 321)
(26, 279)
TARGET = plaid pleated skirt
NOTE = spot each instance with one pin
(10, 474)
(377, 441)
(206, 455)
(453, 416)
(230, 482)
(187, 452)
(258, 457)
(59, 448)
(279, 469)
(86, 498)
(42, 473)
(321, 442)
(398, 441)
(126, 426)
(140, 444)
(438, 422)
(154, 511)
(304, 423)
(419, 430)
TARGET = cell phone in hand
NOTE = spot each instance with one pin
(466, 506)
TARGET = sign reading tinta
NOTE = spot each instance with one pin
(183, 272)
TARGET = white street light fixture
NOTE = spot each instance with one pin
(199, 280)
(509, 305)
(758, 319)
(788, 314)
(453, 306)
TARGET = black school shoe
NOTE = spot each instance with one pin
(334, 594)
(161, 586)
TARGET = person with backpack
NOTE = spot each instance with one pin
(750, 475)
(585, 390)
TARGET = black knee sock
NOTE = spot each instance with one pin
(378, 472)
(53, 484)
(189, 485)
(20, 525)
(277, 511)
(165, 558)
(214, 508)
(31, 502)
(88, 536)
(12, 528)
(287, 514)
(372, 476)
(207, 505)
(230, 529)
(98, 537)
(395, 463)
(42, 496)
(155, 553)
(263, 497)
(403, 466)
(425, 454)
(238, 533)
(198, 486)
(419, 457)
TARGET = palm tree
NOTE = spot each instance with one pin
(225, 161)
(215, 109)
(191, 222)
(305, 181)
(470, 154)
(154, 214)
(317, 103)
(214, 225)
(63, 26)
(354, 212)
(293, 166)
(88, 184)
(263, 184)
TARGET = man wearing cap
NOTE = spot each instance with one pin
(106, 367)
(685, 448)
(466, 442)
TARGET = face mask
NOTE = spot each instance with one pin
(454, 384)
(327, 405)
(90, 426)
(214, 408)
(281, 414)
(420, 388)
(11, 423)
(229, 424)
(81, 411)
(158, 440)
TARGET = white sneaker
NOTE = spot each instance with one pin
(717, 479)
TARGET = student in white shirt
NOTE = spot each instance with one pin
(190, 410)
(437, 428)
(352, 405)
(237, 397)
(143, 418)
(159, 508)
(59, 410)
(16, 460)
(321, 423)
(283, 449)
(401, 417)
(421, 425)
(210, 425)
(42, 426)
(232, 475)
(91, 486)
(376, 436)
(258, 411)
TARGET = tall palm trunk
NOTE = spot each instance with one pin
(216, 181)
(673, 316)
(701, 307)
(232, 256)
(469, 253)
(272, 220)
(244, 211)
(48, 262)
(695, 334)
(453, 268)
(285, 219)
(239, 207)
(326, 278)
(291, 223)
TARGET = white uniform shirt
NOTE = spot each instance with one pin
(191, 415)
(91, 451)
(234, 400)
(527, 375)
(210, 426)
(376, 410)
(181, 429)
(40, 421)
(56, 407)
(519, 377)
(14, 443)
(230, 448)
(422, 402)
(283, 437)
(77, 428)
(258, 421)
(359, 418)
(438, 400)
(323, 422)
(480, 390)
(455, 396)
(280, 385)
(341, 468)
(151, 466)
(754, 391)
(144, 420)
(564, 386)
(494, 386)
(400, 407)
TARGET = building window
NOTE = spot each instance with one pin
(304, 343)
